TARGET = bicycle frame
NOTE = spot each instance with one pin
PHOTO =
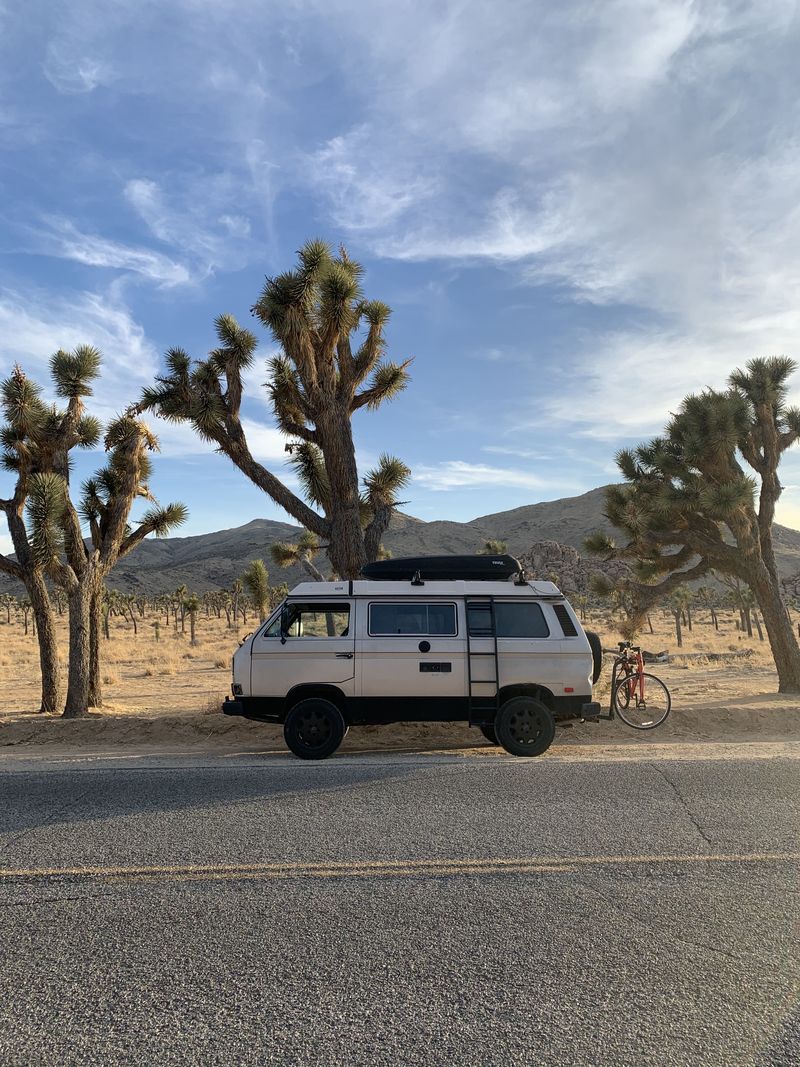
(633, 669)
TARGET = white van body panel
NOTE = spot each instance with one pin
(394, 665)
(368, 666)
(278, 666)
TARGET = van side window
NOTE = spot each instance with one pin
(412, 620)
(318, 620)
(520, 620)
(511, 619)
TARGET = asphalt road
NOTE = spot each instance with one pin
(399, 910)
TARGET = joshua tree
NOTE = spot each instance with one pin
(688, 504)
(677, 604)
(622, 601)
(256, 582)
(709, 599)
(81, 567)
(192, 606)
(35, 439)
(236, 596)
(327, 370)
(284, 555)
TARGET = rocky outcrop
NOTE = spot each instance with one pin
(553, 562)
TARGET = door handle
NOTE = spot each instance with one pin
(343, 655)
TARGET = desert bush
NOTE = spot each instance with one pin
(213, 705)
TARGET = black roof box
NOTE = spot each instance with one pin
(448, 568)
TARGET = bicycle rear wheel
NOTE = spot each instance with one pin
(621, 695)
(641, 714)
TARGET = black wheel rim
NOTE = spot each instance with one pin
(525, 726)
(314, 728)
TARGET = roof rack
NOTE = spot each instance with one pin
(417, 569)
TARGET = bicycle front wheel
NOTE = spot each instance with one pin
(642, 713)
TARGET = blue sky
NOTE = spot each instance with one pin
(578, 212)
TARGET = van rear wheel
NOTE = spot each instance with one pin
(524, 726)
(314, 728)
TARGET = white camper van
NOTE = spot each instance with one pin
(420, 640)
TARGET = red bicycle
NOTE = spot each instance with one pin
(640, 699)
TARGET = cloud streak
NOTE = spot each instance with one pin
(63, 239)
(457, 474)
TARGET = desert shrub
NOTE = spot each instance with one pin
(213, 705)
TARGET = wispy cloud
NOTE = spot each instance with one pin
(456, 474)
(63, 239)
(363, 193)
(69, 72)
(195, 217)
(36, 323)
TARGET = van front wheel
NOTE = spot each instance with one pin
(525, 727)
(314, 728)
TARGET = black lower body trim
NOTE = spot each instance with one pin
(385, 710)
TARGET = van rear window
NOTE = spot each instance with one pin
(412, 620)
(520, 620)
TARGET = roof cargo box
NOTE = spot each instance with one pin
(455, 568)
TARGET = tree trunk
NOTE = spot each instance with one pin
(346, 550)
(48, 645)
(785, 649)
(758, 626)
(191, 627)
(678, 632)
(80, 611)
(95, 625)
(650, 624)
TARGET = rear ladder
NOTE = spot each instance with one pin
(483, 707)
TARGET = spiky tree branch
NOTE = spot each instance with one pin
(689, 505)
(315, 385)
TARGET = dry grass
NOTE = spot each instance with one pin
(170, 676)
(139, 674)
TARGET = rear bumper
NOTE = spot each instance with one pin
(591, 712)
(232, 707)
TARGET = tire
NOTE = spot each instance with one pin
(314, 728)
(489, 734)
(597, 654)
(627, 705)
(525, 727)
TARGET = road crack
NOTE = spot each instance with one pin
(690, 815)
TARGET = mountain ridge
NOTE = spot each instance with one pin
(214, 560)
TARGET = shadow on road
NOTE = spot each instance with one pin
(35, 799)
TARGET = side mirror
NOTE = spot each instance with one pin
(284, 625)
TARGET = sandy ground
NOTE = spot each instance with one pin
(167, 695)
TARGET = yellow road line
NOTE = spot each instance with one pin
(346, 872)
(387, 868)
